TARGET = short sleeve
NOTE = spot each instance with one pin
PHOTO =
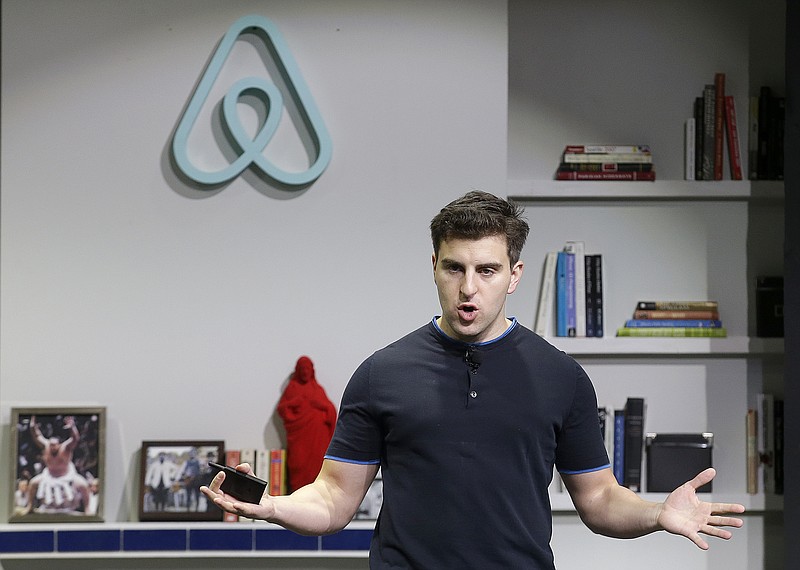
(357, 438)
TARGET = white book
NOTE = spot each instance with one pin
(578, 248)
(262, 464)
(545, 314)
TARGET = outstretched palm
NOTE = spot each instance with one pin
(683, 513)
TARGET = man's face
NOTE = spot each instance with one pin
(473, 278)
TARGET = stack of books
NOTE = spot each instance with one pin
(571, 293)
(675, 318)
(712, 124)
(606, 162)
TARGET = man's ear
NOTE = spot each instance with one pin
(516, 275)
(433, 260)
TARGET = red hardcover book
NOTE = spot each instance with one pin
(719, 123)
(277, 475)
(606, 166)
(606, 149)
(579, 175)
(734, 150)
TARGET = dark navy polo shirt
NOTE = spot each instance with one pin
(467, 452)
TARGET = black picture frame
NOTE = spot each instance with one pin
(57, 464)
(170, 478)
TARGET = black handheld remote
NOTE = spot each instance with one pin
(240, 485)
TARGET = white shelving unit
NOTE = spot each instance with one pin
(669, 240)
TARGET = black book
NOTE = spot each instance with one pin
(634, 443)
(764, 121)
(699, 137)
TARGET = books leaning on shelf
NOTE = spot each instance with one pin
(625, 443)
(674, 319)
(712, 125)
(571, 293)
(606, 162)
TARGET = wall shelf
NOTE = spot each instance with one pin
(612, 347)
(178, 540)
(543, 191)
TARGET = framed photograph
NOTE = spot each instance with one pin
(171, 475)
(57, 463)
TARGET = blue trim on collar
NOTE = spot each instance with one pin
(485, 343)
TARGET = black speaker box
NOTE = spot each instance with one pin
(675, 458)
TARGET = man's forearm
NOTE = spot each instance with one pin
(312, 510)
(618, 512)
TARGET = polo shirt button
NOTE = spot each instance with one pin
(473, 394)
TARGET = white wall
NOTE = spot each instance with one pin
(184, 312)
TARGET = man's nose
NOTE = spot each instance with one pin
(469, 285)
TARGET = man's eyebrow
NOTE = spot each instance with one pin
(496, 265)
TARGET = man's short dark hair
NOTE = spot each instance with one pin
(478, 215)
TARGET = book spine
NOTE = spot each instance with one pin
(634, 440)
(597, 261)
(699, 137)
(570, 292)
(606, 149)
(734, 148)
(689, 142)
(657, 314)
(606, 166)
(677, 305)
(578, 250)
(720, 332)
(232, 459)
(764, 105)
(752, 139)
(262, 463)
(766, 440)
(619, 446)
(752, 451)
(605, 158)
(647, 176)
(778, 409)
(719, 123)
(695, 323)
(275, 473)
(709, 114)
(589, 278)
(775, 134)
(546, 296)
(561, 293)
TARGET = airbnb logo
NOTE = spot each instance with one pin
(246, 150)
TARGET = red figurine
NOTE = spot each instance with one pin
(309, 418)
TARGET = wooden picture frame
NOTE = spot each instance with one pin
(170, 478)
(57, 464)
